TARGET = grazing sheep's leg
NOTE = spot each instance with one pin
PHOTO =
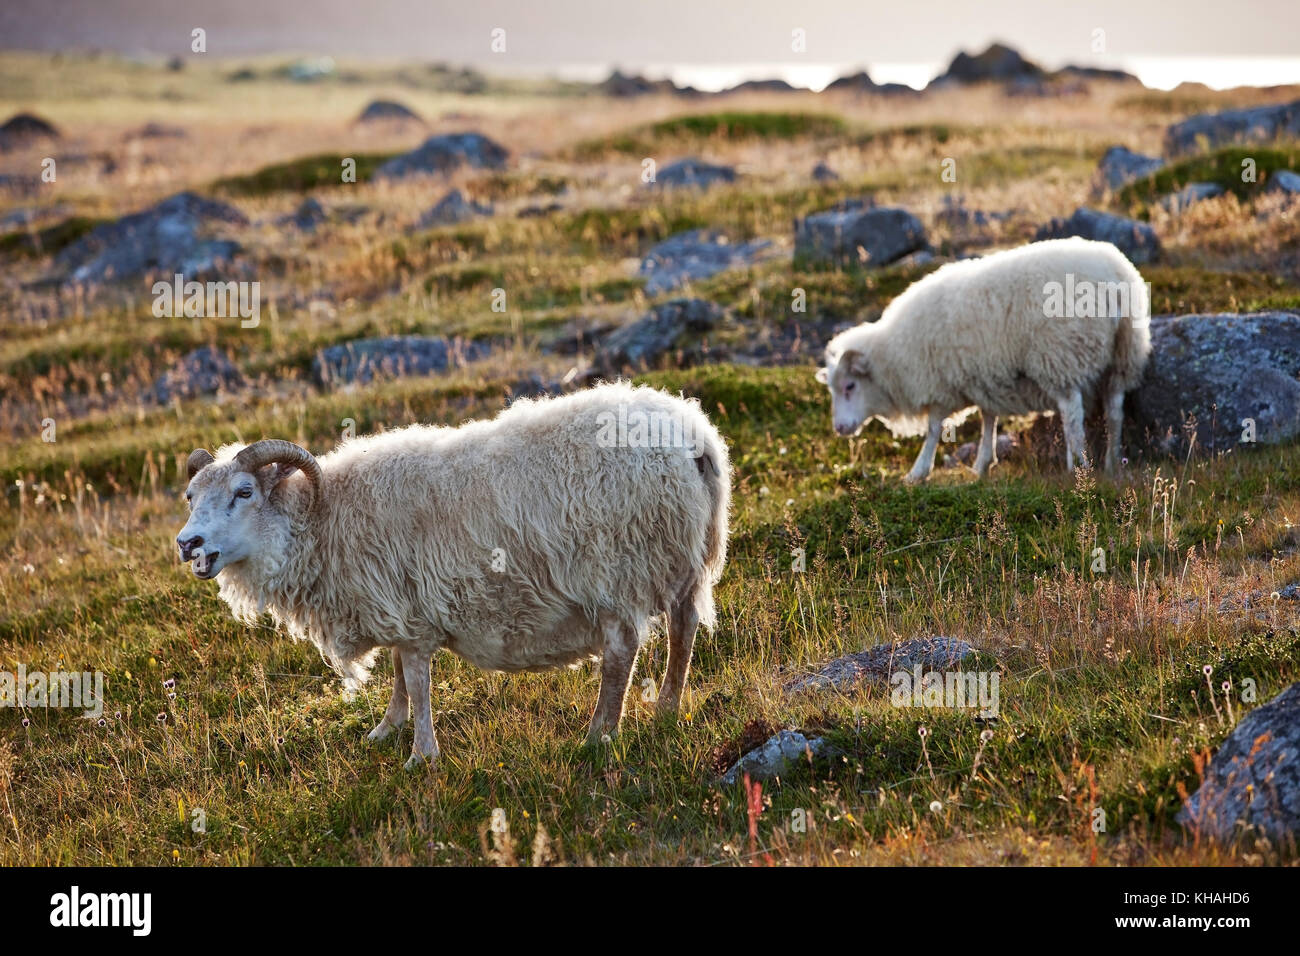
(925, 461)
(415, 671)
(1076, 446)
(988, 453)
(399, 705)
(1114, 429)
(682, 623)
(621, 646)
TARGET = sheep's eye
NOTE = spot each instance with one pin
(244, 493)
(849, 386)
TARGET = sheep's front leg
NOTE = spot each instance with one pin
(925, 461)
(399, 705)
(621, 646)
(988, 453)
(1076, 446)
(415, 671)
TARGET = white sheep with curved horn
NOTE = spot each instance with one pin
(552, 534)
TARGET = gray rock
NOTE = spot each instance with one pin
(444, 154)
(775, 758)
(156, 131)
(622, 84)
(857, 233)
(998, 62)
(1254, 779)
(1053, 87)
(860, 82)
(1260, 124)
(824, 174)
(22, 129)
(1137, 240)
(396, 356)
(537, 211)
(957, 215)
(387, 111)
(879, 662)
(173, 236)
(965, 454)
(1219, 370)
(306, 217)
(1284, 181)
(204, 371)
(663, 329)
(1120, 166)
(452, 208)
(1190, 195)
(693, 255)
(310, 69)
(694, 174)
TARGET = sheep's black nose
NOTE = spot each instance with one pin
(187, 547)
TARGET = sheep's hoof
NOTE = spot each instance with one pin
(913, 478)
(416, 761)
(382, 730)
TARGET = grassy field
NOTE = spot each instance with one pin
(224, 745)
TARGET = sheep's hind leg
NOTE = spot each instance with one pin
(415, 672)
(988, 453)
(399, 705)
(621, 646)
(1114, 428)
(1076, 446)
(925, 461)
(683, 620)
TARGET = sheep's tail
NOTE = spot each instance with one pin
(1132, 343)
(715, 472)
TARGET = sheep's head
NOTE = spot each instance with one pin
(237, 503)
(855, 394)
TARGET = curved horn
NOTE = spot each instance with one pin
(277, 450)
(200, 458)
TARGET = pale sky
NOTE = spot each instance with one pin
(550, 35)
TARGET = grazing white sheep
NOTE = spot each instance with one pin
(549, 535)
(1049, 325)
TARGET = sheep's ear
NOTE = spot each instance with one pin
(856, 363)
(824, 375)
(271, 475)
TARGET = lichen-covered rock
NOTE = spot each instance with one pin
(1253, 783)
(444, 154)
(1190, 195)
(1284, 181)
(665, 328)
(857, 233)
(204, 371)
(775, 758)
(1259, 124)
(394, 356)
(694, 255)
(175, 236)
(1120, 166)
(453, 208)
(1217, 371)
(306, 217)
(879, 662)
(1137, 240)
(23, 129)
(387, 111)
(693, 173)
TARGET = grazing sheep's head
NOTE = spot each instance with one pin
(237, 503)
(855, 395)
